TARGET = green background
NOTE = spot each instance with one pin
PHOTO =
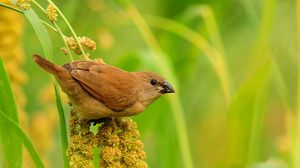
(254, 125)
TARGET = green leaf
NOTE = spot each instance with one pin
(243, 113)
(45, 41)
(10, 7)
(11, 145)
(41, 32)
(212, 53)
(62, 121)
(39, 29)
(14, 127)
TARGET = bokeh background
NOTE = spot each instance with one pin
(233, 64)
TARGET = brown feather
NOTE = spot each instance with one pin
(45, 64)
(99, 90)
(107, 84)
(57, 71)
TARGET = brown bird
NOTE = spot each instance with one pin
(98, 90)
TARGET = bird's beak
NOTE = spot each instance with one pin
(167, 88)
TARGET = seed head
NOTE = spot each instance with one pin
(52, 12)
(64, 50)
(120, 144)
(23, 4)
(87, 43)
(84, 41)
(80, 150)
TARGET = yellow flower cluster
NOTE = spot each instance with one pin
(80, 151)
(84, 41)
(118, 140)
(121, 145)
(109, 143)
(52, 12)
(23, 4)
(130, 144)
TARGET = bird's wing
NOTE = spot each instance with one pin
(84, 65)
(114, 87)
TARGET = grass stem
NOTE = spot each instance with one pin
(63, 128)
(64, 40)
(26, 141)
(202, 44)
(11, 7)
(39, 6)
(72, 30)
(56, 29)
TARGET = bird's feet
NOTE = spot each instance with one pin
(98, 121)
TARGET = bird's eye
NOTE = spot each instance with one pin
(153, 82)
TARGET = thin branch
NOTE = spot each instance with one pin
(11, 7)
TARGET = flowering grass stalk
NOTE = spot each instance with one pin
(71, 29)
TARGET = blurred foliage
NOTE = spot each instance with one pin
(250, 49)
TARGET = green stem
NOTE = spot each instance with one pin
(49, 26)
(10, 7)
(202, 44)
(207, 14)
(71, 29)
(56, 29)
(62, 121)
(39, 6)
(64, 39)
(26, 141)
(21, 12)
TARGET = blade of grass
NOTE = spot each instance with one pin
(41, 32)
(281, 87)
(257, 121)
(251, 10)
(10, 7)
(241, 116)
(259, 52)
(11, 145)
(71, 29)
(47, 47)
(56, 29)
(201, 43)
(12, 125)
(207, 14)
(166, 70)
(45, 41)
(63, 129)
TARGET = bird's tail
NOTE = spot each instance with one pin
(46, 65)
(62, 75)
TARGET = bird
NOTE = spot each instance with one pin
(98, 90)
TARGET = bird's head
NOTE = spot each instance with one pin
(153, 86)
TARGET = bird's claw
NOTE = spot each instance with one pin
(97, 121)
